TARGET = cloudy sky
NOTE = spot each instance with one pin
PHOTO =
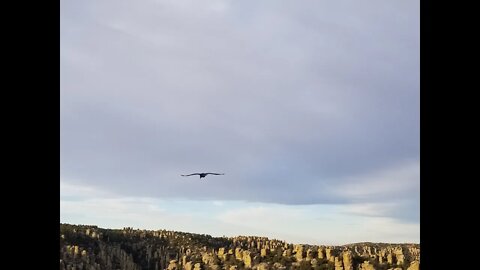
(310, 108)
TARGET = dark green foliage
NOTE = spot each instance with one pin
(304, 265)
(383, 266)
(325, 266)
(356, 260)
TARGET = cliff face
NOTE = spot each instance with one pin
(92, 248)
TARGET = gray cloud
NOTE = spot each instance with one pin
(291, 100)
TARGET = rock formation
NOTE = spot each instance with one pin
(321, 251)
(414, 265)
(338, 264)
(299, 252)
(328, 253)
(247, 258)
(347, 260)
(92, 248)
(366, 266)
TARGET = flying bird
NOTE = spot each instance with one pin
(202, 175)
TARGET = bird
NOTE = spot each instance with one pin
(202, 175)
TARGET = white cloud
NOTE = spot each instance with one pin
(370, 209)
(259, 216)
(400, 179)
(323, 224)
(218, 203)
(311, 224)
(74, 189)
(382, 229)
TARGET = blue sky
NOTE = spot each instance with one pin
(310, 108)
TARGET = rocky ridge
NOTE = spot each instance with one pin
(84, 247)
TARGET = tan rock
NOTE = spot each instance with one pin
(328, 253)
(238, 254)
(263, 252)
(400, 259)
(338, 264)
(332, 259)
(279, 266)
(173, 265)
(414, 265)
(207, 258)
(263, 266)
(366, 266)
(299, 252)
(247, 259)
(347, 260)
(321, 254)
(389, 258)
(184, 260)
(188, 266)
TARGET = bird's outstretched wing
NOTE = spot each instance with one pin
(216, 173)
(190, 174)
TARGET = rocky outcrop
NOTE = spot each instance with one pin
(366, 266)
(247, 258)
(188, 266)
(238, 254)
(263, 252)
(92, 248)
(299, 252)
(347, 260)
(321, 253)
(278, 266)
(173, 265)
(338, 264)
(400, 258)
(390, 258)
(414, 265)
(328, 253)
(262, 266)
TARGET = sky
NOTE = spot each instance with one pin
(310, 108)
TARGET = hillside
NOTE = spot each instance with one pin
(84, 247)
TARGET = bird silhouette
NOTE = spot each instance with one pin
(202, 175)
